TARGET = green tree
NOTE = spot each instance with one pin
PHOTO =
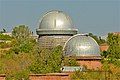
(21, 33)
(3, 31)
(15, 66)
(87, 75)
(15, 62)
(5, 37)
(47, 61)
(56, 59)
(70, 61)
(104, 54)
(23, 39)
(114, 45)
(99, 40)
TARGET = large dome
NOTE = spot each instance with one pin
(81, 45)
(55, 20)
(56, 23)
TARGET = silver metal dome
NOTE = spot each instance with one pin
(81, 45)
(55, 20)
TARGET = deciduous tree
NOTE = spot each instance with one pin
(23, 38)
(114, 45)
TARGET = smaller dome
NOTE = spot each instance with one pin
(55, 19)
(81, 45)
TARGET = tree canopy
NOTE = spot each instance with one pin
(114, 45)
(21, 33)
(5, 37)
(99, 40)
(3, 31)
(23, 39)
(48, 61)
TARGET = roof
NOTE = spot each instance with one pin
(55, 20)
(89, 57)
(81, 45)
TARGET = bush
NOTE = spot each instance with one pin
(5, 37)
(21, 75)
(70, 61)
(47, 61)
(90, 75)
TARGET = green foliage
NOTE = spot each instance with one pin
(77, 75)
(48, 61)
(88, 75)
(5, 45)
(21, 75)
(99, 40)
(1, 67)
(112, 55)
(5, 37)
(21, 33)
(70, 61)
(106, 66)
(26, 47)
(5, 41)
(104, 54)
(23, 39)
(41, 62)
(15, 66)
(15, 62)
(95, 75)
(114, 46)
(56, 59)
(116, 62)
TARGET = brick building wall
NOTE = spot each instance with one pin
(2, 77)
(50, 76)
(104, 47)
(52, 41)
(91, 64)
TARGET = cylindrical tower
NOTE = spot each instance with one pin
(55, 28)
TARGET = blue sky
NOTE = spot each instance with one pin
(96, 16)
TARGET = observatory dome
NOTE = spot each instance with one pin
(81, 45)
(56, 23)
(55, 20)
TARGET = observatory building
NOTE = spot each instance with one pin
(85, 49)
(55, 28)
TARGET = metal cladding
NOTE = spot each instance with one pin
(55, 28)
(81, 45)
(56, 22)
